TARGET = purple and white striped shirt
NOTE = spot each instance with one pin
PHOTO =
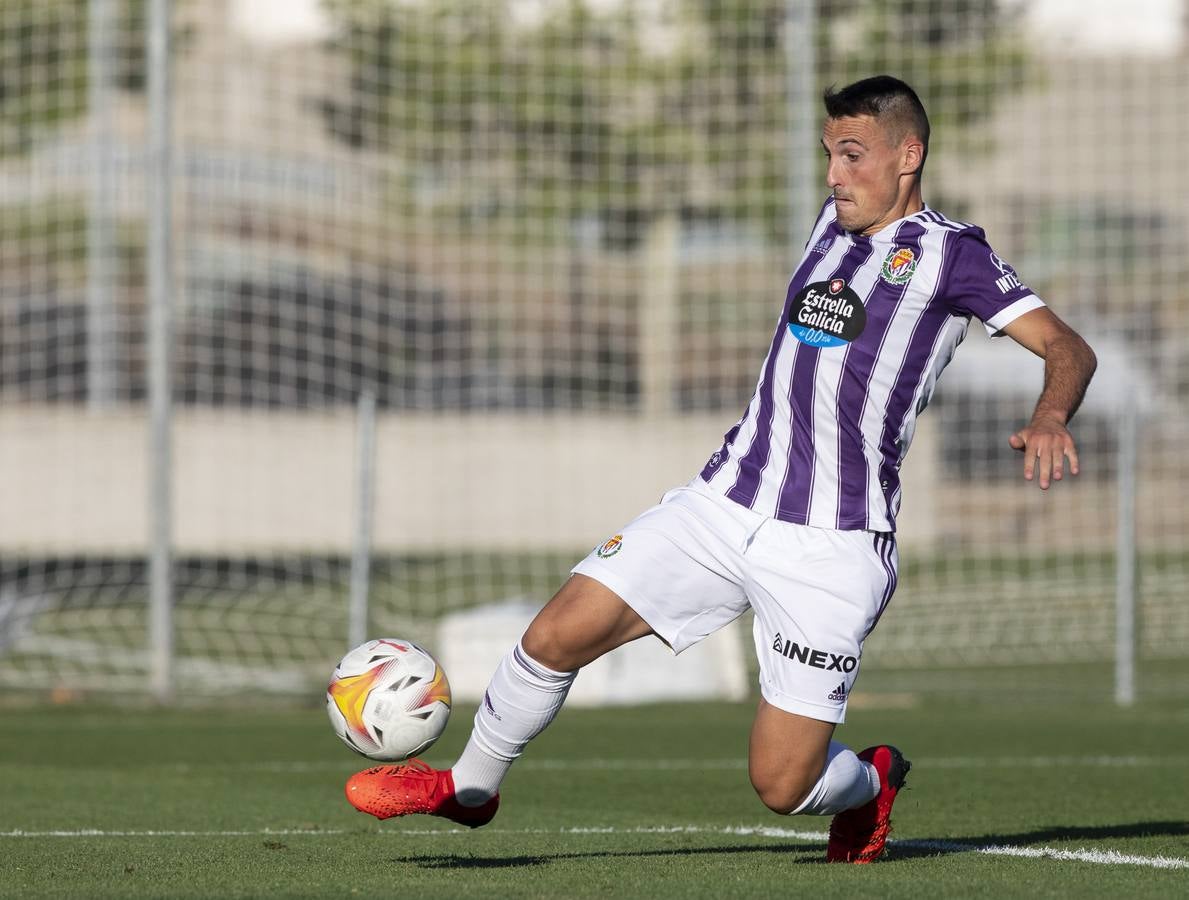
(868, 324)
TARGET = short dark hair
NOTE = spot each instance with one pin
(887, 99)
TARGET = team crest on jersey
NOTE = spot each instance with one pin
(826, 314)
(609, 547)
(898, 265)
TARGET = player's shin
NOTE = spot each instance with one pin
(521, 699)
(846, 783)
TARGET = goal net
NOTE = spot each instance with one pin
(548, 238)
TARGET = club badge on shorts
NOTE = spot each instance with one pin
(609, 547)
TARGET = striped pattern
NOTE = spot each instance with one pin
(822, 441)
(885, 549)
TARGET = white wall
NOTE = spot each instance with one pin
(249, 482)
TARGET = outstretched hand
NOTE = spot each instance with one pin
(1045, 443)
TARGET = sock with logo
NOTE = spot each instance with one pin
(522, 698)
(846, 783)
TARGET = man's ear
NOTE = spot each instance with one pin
(913, 156)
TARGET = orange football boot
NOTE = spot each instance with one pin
(414, 787)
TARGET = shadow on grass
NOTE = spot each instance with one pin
(803, 853)
(454, 861)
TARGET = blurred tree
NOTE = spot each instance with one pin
(611, 115)
(961, 55)
(44, 56)
(43, 67)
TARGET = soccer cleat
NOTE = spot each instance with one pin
(387, 791)
(859, 835)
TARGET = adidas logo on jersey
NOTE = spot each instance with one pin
(838, 694)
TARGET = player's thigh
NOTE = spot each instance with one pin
(786, 755)
(678, 566)
(817, 594)
(584, 620)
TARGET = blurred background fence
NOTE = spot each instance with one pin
(545, 240)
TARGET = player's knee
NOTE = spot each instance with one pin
(781, 792)
(545, 642)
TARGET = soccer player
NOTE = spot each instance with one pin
(794, 514)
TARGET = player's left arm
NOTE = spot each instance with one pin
(1069, 365)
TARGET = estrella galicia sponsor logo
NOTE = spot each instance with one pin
(1008, 280)
(898, 266)
(838, 695)
(715, 459)
(609, 547)
(818, 659)
(826, 314)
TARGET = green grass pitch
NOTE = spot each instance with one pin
(1013, 799)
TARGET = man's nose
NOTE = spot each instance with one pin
(832, 173)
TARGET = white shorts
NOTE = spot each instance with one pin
(697, 560)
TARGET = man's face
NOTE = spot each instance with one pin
(863, 170)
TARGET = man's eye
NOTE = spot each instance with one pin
(853, 157)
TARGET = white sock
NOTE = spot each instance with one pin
(522, 698)
(847, 782)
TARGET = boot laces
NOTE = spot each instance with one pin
(414, 768)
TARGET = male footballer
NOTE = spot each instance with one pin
(794, 515)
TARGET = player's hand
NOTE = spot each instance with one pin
(1045, 443)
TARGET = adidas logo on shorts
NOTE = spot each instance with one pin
(838, 694)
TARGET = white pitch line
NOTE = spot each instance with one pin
(1100, 857)
(1104, 857)
(733, 764)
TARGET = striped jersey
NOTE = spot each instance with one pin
(867, 326)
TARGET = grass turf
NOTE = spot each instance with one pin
(610, 803)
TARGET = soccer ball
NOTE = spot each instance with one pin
(388, 699)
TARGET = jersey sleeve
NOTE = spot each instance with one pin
(982, 285)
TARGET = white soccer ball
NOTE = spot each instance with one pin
(388, 699)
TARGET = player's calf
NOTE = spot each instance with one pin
(786, 792)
